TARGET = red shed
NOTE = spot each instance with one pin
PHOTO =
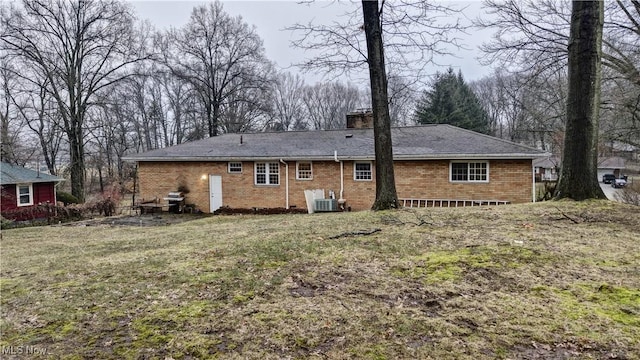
(23, 188)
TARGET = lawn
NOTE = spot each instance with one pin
(555, 280)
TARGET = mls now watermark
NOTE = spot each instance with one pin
(23, 350)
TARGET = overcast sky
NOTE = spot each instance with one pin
(271, 17)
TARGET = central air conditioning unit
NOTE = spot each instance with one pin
(326, 205)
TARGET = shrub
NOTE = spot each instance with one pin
(545, 190)
(106, 207)
(630, 194)
(5, 223)
(66, 198)
(47, 213)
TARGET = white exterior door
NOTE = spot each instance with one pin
(215, 192)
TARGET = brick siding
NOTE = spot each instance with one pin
(509, 180)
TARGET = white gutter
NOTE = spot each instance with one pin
(286, 182)
(343, 157)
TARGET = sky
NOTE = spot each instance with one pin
(272, 17)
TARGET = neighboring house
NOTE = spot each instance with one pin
(269, 170)
(23, 188)
(610, 165)
(546, 168)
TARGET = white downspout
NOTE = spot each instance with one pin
(286, 183)
(533, 178)
(335, 158)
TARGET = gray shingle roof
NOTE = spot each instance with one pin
(12, 174)
(409, 143)
(611, 163)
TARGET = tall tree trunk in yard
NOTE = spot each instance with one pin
(386, 197)
(77, 163)
(579, 176)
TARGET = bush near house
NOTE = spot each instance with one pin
(630, 194)
(66, 198)
(47, 213)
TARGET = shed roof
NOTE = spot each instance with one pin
(409, 143)
(12, 174)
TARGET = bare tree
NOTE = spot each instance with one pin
(219, 56)
(534, 35)
(386, 196)
(620, 111)
(501, 96)
(10, 123)
(82, 48)
(327, 104)
(141, 94)
(492, 98)
(414, 34)
(245, 111)
(621, 41)
(578, 179)
(530, 34)
(525, 108)
(402, 100)
(112, 135)
(288, 110)
(41, 114)
(177, 93)
(543, 103)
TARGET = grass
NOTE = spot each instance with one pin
(548, 280)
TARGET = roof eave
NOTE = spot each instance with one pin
(32, 181)
(333, 158)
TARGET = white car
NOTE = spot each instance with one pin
(619, 183)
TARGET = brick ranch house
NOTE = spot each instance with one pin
(270, 170)
(24, 188)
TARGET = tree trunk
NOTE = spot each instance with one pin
(386, 197)
(77, 168)
(579, 176)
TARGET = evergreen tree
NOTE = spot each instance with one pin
(451, 101)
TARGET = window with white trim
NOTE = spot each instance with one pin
(469, 171)
(234, 168)
(304, 170)
(362, 171)
(267, 173)
(24, 194)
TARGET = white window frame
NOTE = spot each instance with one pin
(30, 186)
(468, 162)
(267, 173)
(229, 167)
(298, 177)
(355, 171)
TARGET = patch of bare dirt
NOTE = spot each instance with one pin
(162, 219)
(564, 351)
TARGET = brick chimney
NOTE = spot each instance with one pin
(359, 119)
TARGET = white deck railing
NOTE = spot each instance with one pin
(423, 203)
